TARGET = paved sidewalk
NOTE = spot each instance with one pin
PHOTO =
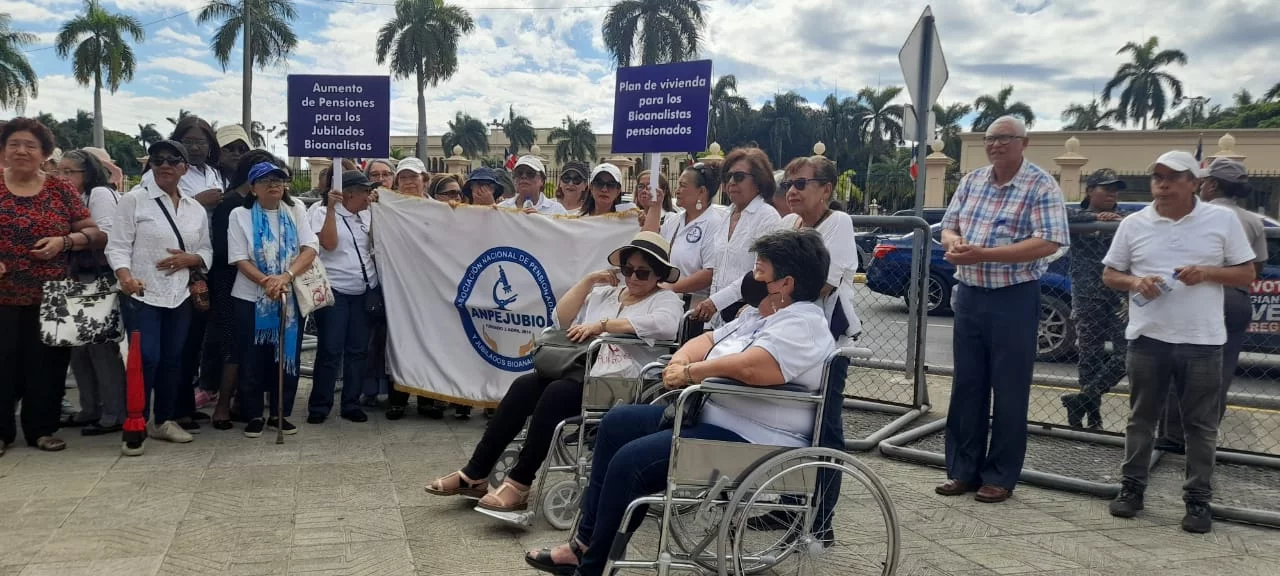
(345, 498)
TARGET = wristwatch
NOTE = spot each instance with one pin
(604, 323)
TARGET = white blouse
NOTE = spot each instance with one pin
(102, 202)
(240, 242)
(343, 262)
(193, 182)
(734, 257)
(693, 244)
(655, 318)
(837, 235)
(141, 236)
(798, 339)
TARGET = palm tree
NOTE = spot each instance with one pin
(574, 141)
(784, 116)
(469, 133)
(727, 107)
(1144, 94)
(841, 119)
(269, 40)
(1243, 98)
(518, 130)
(1272, 94)
(880, 121)
(421, 42)
(663, 31)
(948, 122)
(891, 175)
(256, 131)
(97, 38)
(282, 130)
(991, 107)
(17, 77)
(182, 113)
(1089, 117)
(148, 135)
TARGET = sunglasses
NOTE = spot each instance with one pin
(801, 183)
(270, 182)
(607, 185)
(572, 179)
(738, 177)
(167, 161)
(526, 174)
(641, 274)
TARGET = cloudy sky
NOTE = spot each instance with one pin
(546, 57)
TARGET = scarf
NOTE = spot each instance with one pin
(272, 256)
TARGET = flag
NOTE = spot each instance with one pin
(1200, 150)
(466, 318)
(915, 164)
(511, 159)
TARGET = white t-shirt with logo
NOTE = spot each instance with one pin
(693, 244)
(656, 318)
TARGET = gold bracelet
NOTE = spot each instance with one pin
(291, 276)
(688, 378)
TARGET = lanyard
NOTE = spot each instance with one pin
(359, 257)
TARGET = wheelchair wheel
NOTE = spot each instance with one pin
(785, 518)
(560, 503)
(505, 463)
(691, 529)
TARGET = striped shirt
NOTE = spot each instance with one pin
(988, 215)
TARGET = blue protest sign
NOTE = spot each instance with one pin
(661, 108)
(339, 116)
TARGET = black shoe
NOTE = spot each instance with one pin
(1075, 405)
(356, 415)
(97, 430)
(316, 418)
(222, 424)
(395, 412)
(1199, 519)
(191, 426)
(288, 428)
(1166, 445)
(254, 428)
(198, 415)
(1128, 503)
(431, 411)
(462, 412)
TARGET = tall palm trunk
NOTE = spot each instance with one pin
(99, 138)
(246, 94)
(422, 116)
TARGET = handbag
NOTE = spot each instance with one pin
(197, 279)
(312, 289)
(74, 313)
(373, 303)
(556, 357)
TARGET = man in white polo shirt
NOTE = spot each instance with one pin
(1173, 258)
(530, 179)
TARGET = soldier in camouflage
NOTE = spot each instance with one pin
(1096, 309)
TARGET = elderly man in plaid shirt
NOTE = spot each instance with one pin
(1003, 222)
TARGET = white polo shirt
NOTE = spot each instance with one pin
(734, 257)
(693, 244)
(354, 246)
(1148, 244)
(546, 206)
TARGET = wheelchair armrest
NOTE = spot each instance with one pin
(790, 392)
(665, 359)
(855, 352)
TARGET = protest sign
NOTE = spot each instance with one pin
(662, 108)
(339, 116)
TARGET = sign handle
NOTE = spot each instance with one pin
(336, 173)
(655, 169)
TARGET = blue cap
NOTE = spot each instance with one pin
(263, 169)
(483, 175)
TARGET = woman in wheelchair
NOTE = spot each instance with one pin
(597, 304)
(783, 339)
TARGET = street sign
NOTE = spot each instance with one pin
(921, 57)
(910, 127)
(339, 116)
(661, 108)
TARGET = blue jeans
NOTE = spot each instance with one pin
(630, 461)
(258, 367)
(164, 334)
(994, 339)
(343, 339)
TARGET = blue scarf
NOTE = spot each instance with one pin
(273, 255)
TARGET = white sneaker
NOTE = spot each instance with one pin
(170, 431)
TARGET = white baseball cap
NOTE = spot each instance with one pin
(1178, 161)
(532, 162)
(606, 168)
(412, 164)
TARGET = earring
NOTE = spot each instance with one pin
(698, 206)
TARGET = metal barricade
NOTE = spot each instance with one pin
(887, 391)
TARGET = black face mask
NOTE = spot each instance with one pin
(753, 291)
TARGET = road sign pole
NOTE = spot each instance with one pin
(922, 112)
(916, 324)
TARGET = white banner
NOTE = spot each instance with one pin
(468, 288)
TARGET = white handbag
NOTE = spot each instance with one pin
(312, 289)
(74, 313)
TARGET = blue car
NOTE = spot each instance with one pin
(889, 273)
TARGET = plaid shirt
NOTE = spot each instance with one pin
(987, 215)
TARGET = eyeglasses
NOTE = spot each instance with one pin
(1001, 139)
(572, 179)
(738, 177)
(610, 185)
(195, 142)
(272, 182)
(801, 183)
(640, 274)
(379, 175)
(526, 174)
(166, 161)
(65, 171)
(454, 194)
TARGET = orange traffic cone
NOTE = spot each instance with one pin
(135, 424)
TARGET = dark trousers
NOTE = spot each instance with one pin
(549, 402)
(192, 353)
(100, 377)
(1238, 310)
(630, 461)
(994, 343)
(1196, 371)
(259, 372)
(164, 333)
(31, 371)
(211, 357)
(1098, 321)
(342, 340)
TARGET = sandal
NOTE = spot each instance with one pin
(51, 444)
(494, 501)
(543, 561)
(456, 484)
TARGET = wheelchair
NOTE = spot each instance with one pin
(573, 438)
(738, 508)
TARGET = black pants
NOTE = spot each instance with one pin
(549, 402)
(259, 368)
(1098, 321)
(31, 371)
(192, 353)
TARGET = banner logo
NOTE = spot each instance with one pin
(514, 304)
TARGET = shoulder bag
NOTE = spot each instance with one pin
(373, 304)
(311, 288)
(75, 312)
(198, 280)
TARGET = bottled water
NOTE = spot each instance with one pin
(1166, 285)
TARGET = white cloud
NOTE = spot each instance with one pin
(168, 34)
(23, 11)
(181, 65)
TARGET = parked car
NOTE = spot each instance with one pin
(867, 240)
(889, 273)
